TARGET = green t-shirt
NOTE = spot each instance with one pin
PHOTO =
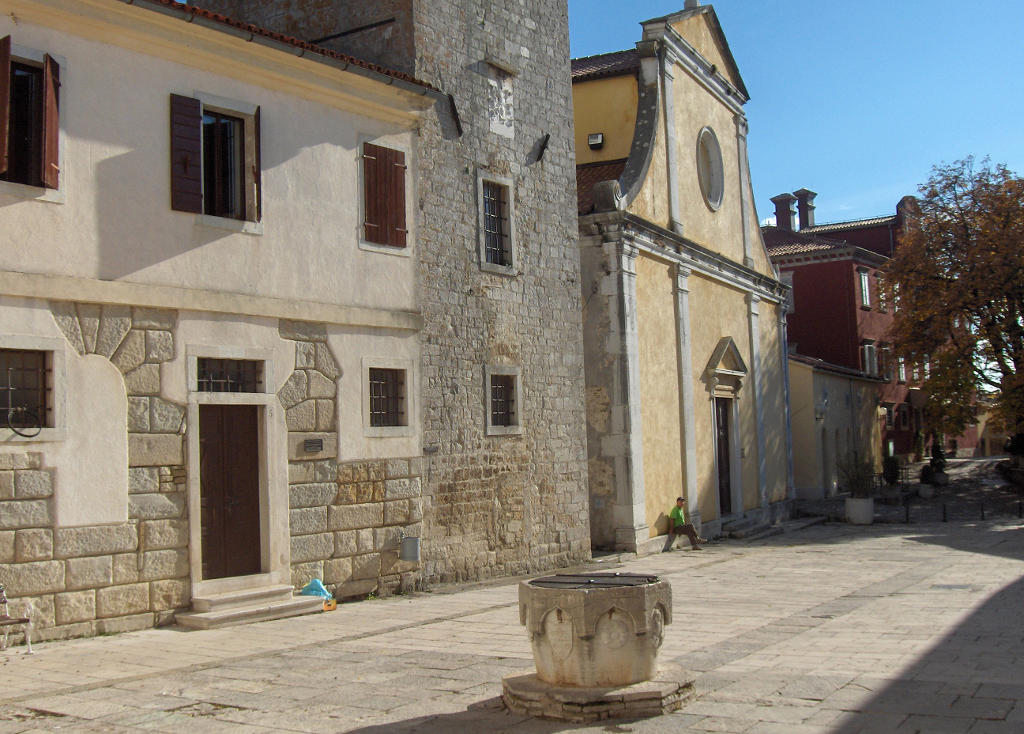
(677, 515)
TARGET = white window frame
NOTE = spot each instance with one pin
(411, 391)
(513, 250)
(901, 370)
(869, 356)
(57, 361)
(515, 372)
(865, 288)
(364, 244)
(247, 113)
(58, 195)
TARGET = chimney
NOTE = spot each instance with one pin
(805, 205)
(785, 217)
(691, 4)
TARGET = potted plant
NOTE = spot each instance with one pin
(858, 478)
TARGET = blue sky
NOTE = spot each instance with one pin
(855, 99)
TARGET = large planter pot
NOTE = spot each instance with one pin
(600, 629)
(860, 510)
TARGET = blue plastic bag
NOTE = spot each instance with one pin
(316, 588)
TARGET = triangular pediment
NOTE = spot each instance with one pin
(726, 369)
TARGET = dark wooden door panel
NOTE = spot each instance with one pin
(723, 407)
(229, 494)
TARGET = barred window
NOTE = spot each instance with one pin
(503, 400)
(387, 397)
(23, 378)
(229, 375)
(496, 231)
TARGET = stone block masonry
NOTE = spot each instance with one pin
(510, 504)
(89, 580)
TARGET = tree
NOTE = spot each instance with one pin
(957, 280)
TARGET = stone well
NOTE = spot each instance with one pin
(595, 640)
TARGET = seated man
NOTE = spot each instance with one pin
(677, 525)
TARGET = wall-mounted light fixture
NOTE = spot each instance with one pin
(595, 141)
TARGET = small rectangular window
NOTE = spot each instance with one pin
(869, 358)
(890, 417)
(387, 397)
(904, 411)
(502, 387)
(29, 125)
(503, 400)
(901, 370)
(880, 287)
(25, 403)
(865, 288)
(229, 375)
(223, 165)
(496, 231)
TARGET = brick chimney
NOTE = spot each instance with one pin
(805, 205)
(785, 216)
(691, 4)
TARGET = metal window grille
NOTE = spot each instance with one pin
(496, 238)
(23, 377)
(229, 375)
(387, 397)
(503, 400)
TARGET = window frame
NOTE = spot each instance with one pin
(865, 288)
(869, 357)
(409, 398)
(511, 268)
(54, 424)
(903, 411)
(57, 195)
(515, 372)
(251, 222)
(710, 168)
(363, 243)
(901, 370)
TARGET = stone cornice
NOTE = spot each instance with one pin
(70, 288)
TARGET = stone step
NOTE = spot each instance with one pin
(243, 597)
(245, 613)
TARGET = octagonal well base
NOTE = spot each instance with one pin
(663, 694)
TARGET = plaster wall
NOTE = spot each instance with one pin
(720, 311)
(605, 106)
(697, 30)
(774, 398)
(88, 453)
(659, 390)
(115, 222)
(651, 202)
(807, 449)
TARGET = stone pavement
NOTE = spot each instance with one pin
(834, 628)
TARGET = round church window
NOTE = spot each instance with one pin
(709, 168)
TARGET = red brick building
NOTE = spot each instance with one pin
(839, 312)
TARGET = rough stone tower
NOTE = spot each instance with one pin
(501, 312)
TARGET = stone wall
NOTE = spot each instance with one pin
(513, 504)
(98, 579)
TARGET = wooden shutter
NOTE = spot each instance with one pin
(186, 154)
(257, 166)
(5, 98)
(384, 195)
(51, 123)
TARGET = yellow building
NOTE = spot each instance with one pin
(684, 316)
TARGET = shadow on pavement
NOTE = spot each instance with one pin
(488, 716)
(972, 678)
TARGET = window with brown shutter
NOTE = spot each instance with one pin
(383, 195)
(215, 160)
(29, 120)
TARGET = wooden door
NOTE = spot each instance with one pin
(229, 490)
(723, 409)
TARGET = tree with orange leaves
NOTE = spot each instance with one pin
(957, 280)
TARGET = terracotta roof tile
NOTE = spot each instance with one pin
(602, 65)
(854, 224)
(191, 11)
(589, 174)
(782, 242)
